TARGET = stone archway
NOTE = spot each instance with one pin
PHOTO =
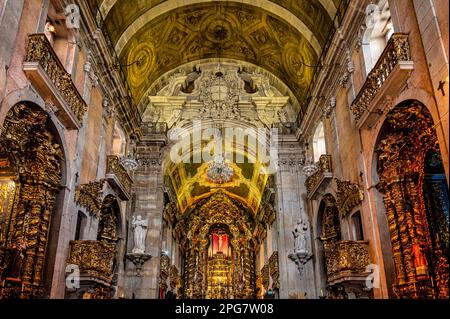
(421, 264)
(36, 160)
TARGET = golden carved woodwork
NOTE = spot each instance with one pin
(218, 211)
(37, 156)
(349, 195)
(40, 50)
(401, 153)
(107, 229)
(174, 277)
(227, 30)
(324, 171)
(90, 196)
(265, 277)
(164, 266)
(93, 257)
(348, 257)
(114, 168)
(274, 270)
(397, 50)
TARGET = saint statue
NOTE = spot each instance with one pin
(140, 231)
(220, 242)
(300, 235)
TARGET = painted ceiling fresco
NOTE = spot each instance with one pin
(279, 35)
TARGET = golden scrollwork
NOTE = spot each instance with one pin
(90, 196)
(324, 167)
(38, 159)
(349, 195)
(174, 277)
(165, 266)
(274, 270)
(40, 50)
(401, 160)
(348, 256)
(113, 167)
(265, 277)
(397, 50)
(93, 257)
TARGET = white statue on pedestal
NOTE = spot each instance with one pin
(300, 234)
(140, 231)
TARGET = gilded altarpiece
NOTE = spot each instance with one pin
(219, 255)
(419, 247)
(37, 158)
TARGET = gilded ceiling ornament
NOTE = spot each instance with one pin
(238, 32)
(219, 93)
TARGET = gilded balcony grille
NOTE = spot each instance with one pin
(93, 257)
(118, 175)
(324, 172)
(396, 52)
(348, 258)
(40, 51)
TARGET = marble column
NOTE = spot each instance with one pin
(149, 203)
(290, 189)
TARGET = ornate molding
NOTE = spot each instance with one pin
(349, 195)
(323, 174)
(348, 257)
(93, 257)
(90, 196)
(274, 270)
(50, 78)
(118, 177)
(386, 78)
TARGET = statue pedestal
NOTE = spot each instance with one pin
(300, 258)
(138, 260)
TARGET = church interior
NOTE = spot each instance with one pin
(197, 149)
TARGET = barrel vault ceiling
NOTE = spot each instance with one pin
(278, 35)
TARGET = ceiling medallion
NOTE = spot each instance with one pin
(219, 171)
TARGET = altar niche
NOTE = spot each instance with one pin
(219, 260)
(219, 265)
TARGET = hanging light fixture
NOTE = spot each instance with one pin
(310, 167)
(219, 170)
(129, 161)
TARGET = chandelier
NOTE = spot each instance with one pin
(219, 171)
(129, 162)
(310, 167)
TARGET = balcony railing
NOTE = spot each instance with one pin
(348, 261)
(93, 257)
(118, 177)
(387, 77)
(48, 76)
(323, 174)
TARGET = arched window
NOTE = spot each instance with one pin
(81, 226)
(60, 37)
(356, 226)
(379, 31)
(319, 147)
